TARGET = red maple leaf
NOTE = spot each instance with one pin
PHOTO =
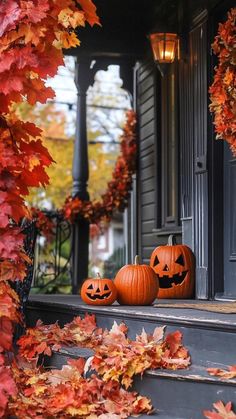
(9, 302)
(9, 15)
(6, 333)
(11, 243)
(7, 388)
(10, 82)
(34, 11)
(37, 92)
(20, 57)
(11, 206)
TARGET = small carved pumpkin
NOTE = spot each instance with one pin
(175, 266)
(98, 291)
(136, 284)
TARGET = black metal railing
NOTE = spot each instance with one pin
(23, 287)
(52, 270)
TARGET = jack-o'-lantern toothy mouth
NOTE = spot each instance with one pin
(167, 281)
(98, 296)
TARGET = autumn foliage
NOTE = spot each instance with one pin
(223, 88)
(116, 360)
(32, 35)
(221, 411)
(116, 196)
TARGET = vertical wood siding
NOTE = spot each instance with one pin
(186, 139)
(146, 160)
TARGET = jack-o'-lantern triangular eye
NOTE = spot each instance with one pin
(156, 261)
(90, 287)
(180, 260)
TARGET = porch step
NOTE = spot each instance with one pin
(183, 394)
(210, 337)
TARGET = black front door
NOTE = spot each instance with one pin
(229, 220)
(222, 190)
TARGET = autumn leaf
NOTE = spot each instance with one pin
(35, 12)
(10, 271)
(7, 388)
(36, 91)
(68, 17)
(18, 57)
(90, 11)
(11, 82)
(67, 40)
(11, 207)
(11, 243)
(223, 373)
(9, 303)
(221, 411)
(6, 333)
(9, 15)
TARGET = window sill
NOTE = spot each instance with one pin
(166, 231)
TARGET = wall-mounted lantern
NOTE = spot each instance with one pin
(164, 48)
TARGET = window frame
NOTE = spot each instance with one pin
(166, 222)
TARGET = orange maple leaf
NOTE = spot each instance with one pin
(222, 411)
(90, 11)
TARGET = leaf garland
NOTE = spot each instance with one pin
(223, 88)
(117, 194)
(116, 360)
(32, 35)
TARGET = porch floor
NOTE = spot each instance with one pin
(154, 313)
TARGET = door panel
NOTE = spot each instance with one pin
(229, 223)
(198, 48)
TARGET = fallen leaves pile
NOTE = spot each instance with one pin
(66, 393)
(117, 359)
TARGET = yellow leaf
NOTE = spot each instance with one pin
(67, 17)
(66, 40)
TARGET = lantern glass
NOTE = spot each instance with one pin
(164, 46)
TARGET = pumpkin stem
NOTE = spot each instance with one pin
(98, 275)
(171, 240)
(137, 260)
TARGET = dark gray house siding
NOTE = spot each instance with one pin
(146, 92)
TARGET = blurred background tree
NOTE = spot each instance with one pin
(60, 145)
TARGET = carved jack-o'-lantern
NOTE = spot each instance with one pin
(175, 266)
(98, 291)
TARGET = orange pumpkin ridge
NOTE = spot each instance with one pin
(98, 291)
(175, 266)
(136, 284)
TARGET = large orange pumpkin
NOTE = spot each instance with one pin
(136, 284)
(175, 266)
(98, 291)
